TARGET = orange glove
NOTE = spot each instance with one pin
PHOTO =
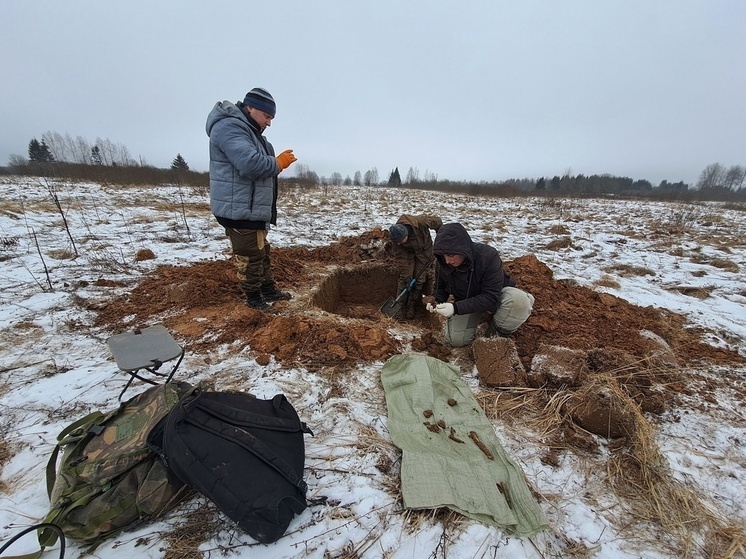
(285, 159)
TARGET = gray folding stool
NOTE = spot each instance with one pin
(144, 351)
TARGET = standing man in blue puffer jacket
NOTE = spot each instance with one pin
(243, 188)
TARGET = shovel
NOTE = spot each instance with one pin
(392, 307)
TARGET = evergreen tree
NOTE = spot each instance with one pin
(179, 164)
(39, 151)
(33, 150)
(44, 152)
(96, 158)
(395, 178)
(541, 184)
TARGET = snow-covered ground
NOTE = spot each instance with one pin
(55, 365)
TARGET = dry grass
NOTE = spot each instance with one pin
(640, 476)
(720, 263)
(656, 509)
(562, 242)
(628, 270)
(200, 523)
(723, 264)
(678, 222)
(558, 230)
(700, 292)
(607, 281)
(5, 456)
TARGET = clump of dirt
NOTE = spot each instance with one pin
(204, 307)
(497, 363)
(558, 367)
(432, 345)
(600, 407)
(144, 254)
(321, 342)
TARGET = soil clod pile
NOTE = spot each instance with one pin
(204, 307)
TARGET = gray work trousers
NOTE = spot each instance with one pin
(515, 308)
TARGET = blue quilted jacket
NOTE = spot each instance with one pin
(243, 168)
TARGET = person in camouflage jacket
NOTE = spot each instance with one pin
(413, 251)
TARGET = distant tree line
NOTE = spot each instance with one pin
(65, 157)
(715, 182)
(76, 158)
(66, 149)
(55, 147)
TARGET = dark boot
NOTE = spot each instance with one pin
(271, 293)
(255, 301)
(414, 299)
(492, 331)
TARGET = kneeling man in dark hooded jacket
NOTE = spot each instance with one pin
(472, 273)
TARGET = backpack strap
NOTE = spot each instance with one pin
(42, 527)
(63, 439)
(249, 419)
(248, 441)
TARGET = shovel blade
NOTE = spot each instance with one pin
(391, 308)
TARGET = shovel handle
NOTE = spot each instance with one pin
(413, 281)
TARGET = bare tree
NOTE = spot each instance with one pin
(413, 175)
(713, 176)
(56, 144)
(336, 179)
(370, 178)
(734, 177)
(107, 150)
(15, 161)
(358, 180)
(305, 174)
(81, 151)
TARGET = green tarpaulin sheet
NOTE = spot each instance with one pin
(439, 471)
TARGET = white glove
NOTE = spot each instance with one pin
(446, 309)
(430, 308)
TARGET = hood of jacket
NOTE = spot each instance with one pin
(226, 109)
(452, 238)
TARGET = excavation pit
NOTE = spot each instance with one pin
(357, 292)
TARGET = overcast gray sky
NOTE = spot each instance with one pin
(473, 90)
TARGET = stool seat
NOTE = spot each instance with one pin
(145, 351)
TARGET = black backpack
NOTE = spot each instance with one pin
(245, 454)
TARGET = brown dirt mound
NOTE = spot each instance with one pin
(576, 317)
(203, 305)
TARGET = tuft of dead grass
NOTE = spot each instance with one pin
(5, 456)
(607, 281)
(720, 263)
(558, 230)
(199, 524)
(724, 264)
(640, 476)
(656, 509)
(699, 292)
(628, 270)
(562, 242)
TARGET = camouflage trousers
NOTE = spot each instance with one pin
(251, 256)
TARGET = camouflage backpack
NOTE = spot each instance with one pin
(108, 479)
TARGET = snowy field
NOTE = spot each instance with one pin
(55, 365)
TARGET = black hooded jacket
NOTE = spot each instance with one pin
(476, 284)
